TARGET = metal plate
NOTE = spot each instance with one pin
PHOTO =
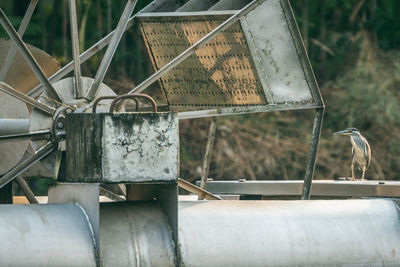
(20, 76)
(219, 74)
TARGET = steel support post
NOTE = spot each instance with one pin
(312, 154)
(208, 153)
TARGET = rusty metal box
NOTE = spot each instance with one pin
(122, 148)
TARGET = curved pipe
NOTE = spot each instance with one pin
(133, 96)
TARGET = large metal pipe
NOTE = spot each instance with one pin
(211, 233)
(290, 233)
(45, 235)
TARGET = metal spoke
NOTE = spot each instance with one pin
(203, 194)
(188, 52)
(94, 49)
(26, 189)
(36, 135)
(23, 49)
(21, 31)
(27, 99)
(78, 89)
(105, 63)
(21, 167)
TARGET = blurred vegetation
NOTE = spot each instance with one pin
(353, 45)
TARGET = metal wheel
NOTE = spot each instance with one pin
(31, 118)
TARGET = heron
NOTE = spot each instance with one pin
(360, 150)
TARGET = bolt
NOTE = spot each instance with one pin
(60, 125)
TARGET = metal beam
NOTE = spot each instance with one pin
(197, 190)
(312, 154)
(188, 52)
(105, 63)
(26, 189)
(36, 135)
(23, 49)
(208, 153)
(78, 89)
(21, 31)
(27, 99)
(21, 167)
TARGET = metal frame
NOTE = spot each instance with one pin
(321, 188)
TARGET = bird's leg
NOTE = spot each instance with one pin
(363, 170)
(352, 171)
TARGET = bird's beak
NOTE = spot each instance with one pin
(344, 132)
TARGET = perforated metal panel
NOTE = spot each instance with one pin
(221, 73)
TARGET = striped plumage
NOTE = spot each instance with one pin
(360, 149)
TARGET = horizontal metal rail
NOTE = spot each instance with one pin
(328, 188)
(36, 135)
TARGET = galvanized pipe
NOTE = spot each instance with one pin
(290, 233)
(13, 126)
(105, 63)
(21, 31)
(23, 49)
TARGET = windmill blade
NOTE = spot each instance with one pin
(23, 49)
(78, 90)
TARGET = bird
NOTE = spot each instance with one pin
(361, 150)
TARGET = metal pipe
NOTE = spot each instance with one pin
(105, 63)
(45, 235)
(13, 126)
(27, 99)
(208, 153)
(36, 135)
(289, 233)
(26, 189)
(23, 49)
(312, 153)
(21, 167)
(21, 31)
(133, 96)
(188, 52)
(78, 89)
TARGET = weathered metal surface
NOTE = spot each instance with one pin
(289, 233)
(19, 75)
(12, 153)
(128, 147)
(87, 195)
(327, 188)
(135, 234)
(197, 5)
(45, 235)
(13, 126)
(251, 63)
(220, 73)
